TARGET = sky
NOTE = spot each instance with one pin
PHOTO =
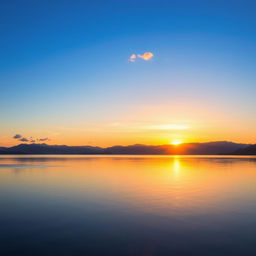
(125, 72)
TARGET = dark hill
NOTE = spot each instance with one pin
(54, 149)
(209, 148)
(250, 150)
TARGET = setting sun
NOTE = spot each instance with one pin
(176, 142)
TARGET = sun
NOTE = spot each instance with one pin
(176, 142)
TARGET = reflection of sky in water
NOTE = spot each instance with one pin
(143, 205)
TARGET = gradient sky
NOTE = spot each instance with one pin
(65, 72)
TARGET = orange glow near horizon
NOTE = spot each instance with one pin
(149, 125)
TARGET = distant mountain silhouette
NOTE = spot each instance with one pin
(208, 148)
(54, 149)
(3, 151)
(250, 150)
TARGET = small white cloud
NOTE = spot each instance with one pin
(132, 58)
(145, 56)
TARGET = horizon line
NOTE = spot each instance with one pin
(136, 144)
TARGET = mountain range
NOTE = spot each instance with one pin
(250, 150)
(207, 148)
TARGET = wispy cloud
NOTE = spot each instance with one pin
(168, 127)
(43, 139)
(146, 127)
(24, 139)
(19, 137)
(145, 56)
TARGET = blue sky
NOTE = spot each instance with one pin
(64, 65)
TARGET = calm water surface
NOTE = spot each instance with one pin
(127, 205)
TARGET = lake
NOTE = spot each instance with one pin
(127, 205)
